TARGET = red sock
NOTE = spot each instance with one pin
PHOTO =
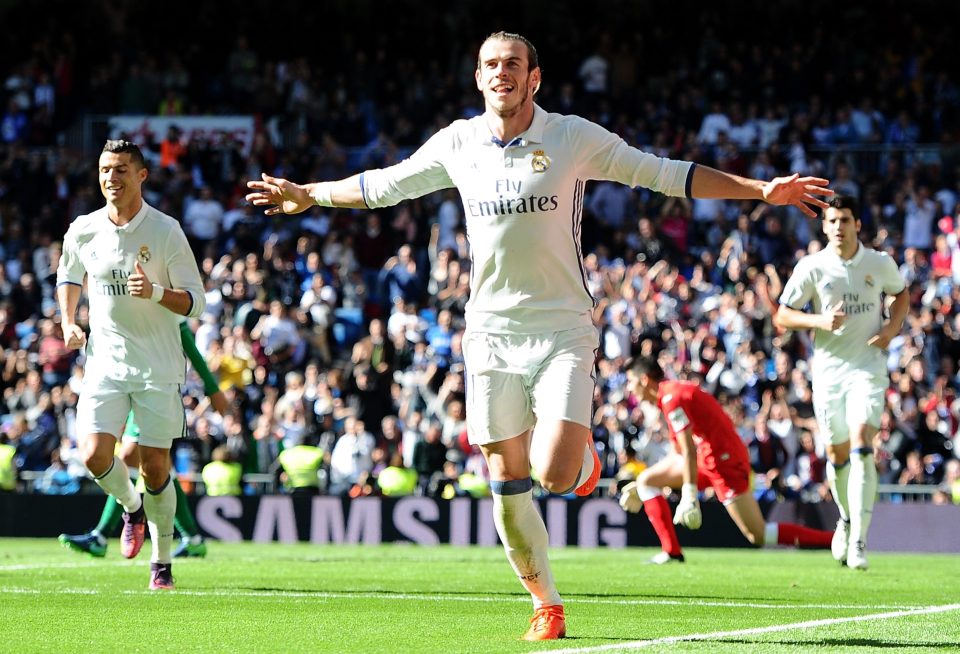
(799, 536)
(658, 512)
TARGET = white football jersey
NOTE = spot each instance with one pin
(523, 202)
(131, 338)
(823, 279)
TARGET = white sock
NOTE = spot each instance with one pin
(771, 534)
(838, 476)
(525, 540)
(116, 482)
(862, 493)
(160, 508)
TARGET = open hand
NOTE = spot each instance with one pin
(799, 192)
(278, 195)
(630, 499)
(688, 510)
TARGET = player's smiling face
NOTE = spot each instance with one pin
(504, 78)
(120, 178)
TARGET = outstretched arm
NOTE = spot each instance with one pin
(283, 196)
(800, 192)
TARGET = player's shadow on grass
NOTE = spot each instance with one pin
(841, 642)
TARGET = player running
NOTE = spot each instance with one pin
(846, 284)
(530, 342)
(140, 276)
(709, 453)
(94, 542)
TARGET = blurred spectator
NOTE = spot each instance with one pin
(351, 458)
(685, 279)
(222, 475)
(429, 454)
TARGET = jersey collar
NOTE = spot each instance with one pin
(854, 260)
(534, 133)
(138, 219)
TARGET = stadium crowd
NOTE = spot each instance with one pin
(341, 330)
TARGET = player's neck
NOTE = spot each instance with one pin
(651, 393)
(122, 214)
(846, 250)
(508, 127)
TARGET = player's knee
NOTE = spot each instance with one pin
(555, 481)
(155, 473)
(97, 462)
(839, 460)
(130, 458)
(643, 479)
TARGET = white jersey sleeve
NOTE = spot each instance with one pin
(183, 273)
(801, 288)
(606, 156)
(892, 281)
(70, 270)
(424, 172)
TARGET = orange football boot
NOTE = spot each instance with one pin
(547, 623)
(587, 486)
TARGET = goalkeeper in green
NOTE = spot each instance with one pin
(191, 542)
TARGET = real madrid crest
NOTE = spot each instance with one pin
(869, 281)
(144, 254)
(540, 161)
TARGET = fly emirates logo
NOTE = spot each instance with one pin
(509, 200)
(852, 304)
(114, 286)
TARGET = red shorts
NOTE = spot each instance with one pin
(729, 478)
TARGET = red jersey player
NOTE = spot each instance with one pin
(708, 453)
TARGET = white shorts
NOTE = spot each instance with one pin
(157, 408)
(840, 407)
(513, 380)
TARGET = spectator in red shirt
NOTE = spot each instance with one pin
(54, 356)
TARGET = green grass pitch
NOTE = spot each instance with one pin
(394, 598)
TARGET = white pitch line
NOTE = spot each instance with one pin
(808, 624)
(427, 597)
(16, 567)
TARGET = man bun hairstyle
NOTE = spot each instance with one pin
(122, 146)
